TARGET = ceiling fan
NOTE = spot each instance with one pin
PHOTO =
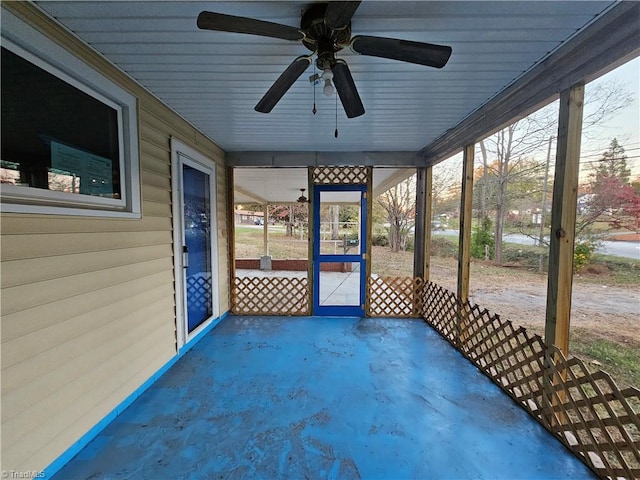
(325, 29)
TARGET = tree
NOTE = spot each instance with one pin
(613, 163)
(334, 221)
(511, 149)
(399, 205)
(291, 215)
(506, 152)
(445, 189)
(611, 198)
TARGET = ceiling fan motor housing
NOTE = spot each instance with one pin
(322, 39)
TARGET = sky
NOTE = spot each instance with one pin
(626, 125)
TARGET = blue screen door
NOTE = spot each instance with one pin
(339, 250)
(197, 247)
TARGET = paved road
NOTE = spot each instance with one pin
(618, 249)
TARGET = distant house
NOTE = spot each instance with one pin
(247, 217)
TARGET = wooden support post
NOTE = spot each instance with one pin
(464, 240)
(428, 214)
(310, 238)
(368, 231)
(231, 240)
(563, 218)
(265, 229)
(466, 217)
(420, 224)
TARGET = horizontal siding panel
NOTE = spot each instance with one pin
(20, 225)
(15, 247)
(36, 427)
(78, 425)
(159, 138)
(42, 358)
(223, 243)
(155, 209)
(155, 158)
(173, 125)
(21, 272)
(156, 180)
(32, 295)
(27, 321)
(155, 116)
(77, 357)
(155, 194)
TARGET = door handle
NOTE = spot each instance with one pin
(185, 257)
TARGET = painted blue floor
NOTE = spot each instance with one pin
(307, 398)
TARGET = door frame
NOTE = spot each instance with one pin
(362, 257)
(182, 154)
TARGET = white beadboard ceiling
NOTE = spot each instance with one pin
(214, 79)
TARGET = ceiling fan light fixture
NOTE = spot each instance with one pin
(328, 88)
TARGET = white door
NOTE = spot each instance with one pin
(195, 249)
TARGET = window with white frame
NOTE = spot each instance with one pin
(69, 140)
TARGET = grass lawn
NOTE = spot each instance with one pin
(620, 360)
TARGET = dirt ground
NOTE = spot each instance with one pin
(600, 310)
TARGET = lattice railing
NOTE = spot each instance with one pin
(587, 411)
(395, 296)
(270, 296)
(334, 175)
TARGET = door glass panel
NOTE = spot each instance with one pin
(340, 227)
(197, 237)
(339, 284)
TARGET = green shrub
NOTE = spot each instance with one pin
(379, 235)
(582, 255)
(410, 244)
(380, 240)
(481, 237)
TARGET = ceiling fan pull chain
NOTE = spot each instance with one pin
(314, 110)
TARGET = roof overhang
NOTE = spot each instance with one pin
(602, 46)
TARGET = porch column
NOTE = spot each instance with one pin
(419, 226)
(231, 223)
(466, 217)
(265, 229)
(422, 250)
(563, 218)
(310, 238)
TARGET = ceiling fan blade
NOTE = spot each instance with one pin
(282, 84)
(347, 90)
(404, 50)
(338, 14)
(230, 23)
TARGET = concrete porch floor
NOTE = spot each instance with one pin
(310, 397)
